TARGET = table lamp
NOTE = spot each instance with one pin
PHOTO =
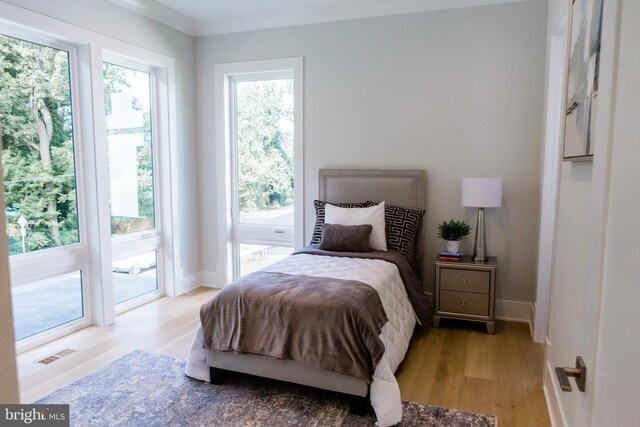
(481, 193)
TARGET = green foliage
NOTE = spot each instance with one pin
(34, 81)
(265, 146)
(453, 230)
(145, 181)
(38, 155)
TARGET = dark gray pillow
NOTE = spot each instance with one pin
(319, 206)
(345, 238)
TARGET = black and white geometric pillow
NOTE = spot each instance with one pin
(402, 227)
(320, 212)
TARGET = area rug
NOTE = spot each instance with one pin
(145, 389)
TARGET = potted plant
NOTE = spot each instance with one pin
(453, 231)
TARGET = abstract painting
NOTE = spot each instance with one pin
(582, 82)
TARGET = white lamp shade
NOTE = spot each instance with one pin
(482, 192)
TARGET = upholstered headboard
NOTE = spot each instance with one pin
(405, 188)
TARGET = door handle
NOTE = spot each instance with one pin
(579, 373)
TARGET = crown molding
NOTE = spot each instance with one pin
(303, 15)
(158, 12)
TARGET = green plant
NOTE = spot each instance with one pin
(453, 230)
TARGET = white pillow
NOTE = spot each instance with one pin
(358, 216)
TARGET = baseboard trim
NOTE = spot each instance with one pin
(552, 396)
(514, 311)
(209, 279)
(191, 282)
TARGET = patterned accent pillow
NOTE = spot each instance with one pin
(319, 206)
(402, 228)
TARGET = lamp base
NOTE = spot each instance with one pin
(480, 245)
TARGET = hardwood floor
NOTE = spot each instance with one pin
(460, 366)
(457, 365)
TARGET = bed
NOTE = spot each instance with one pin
(386, 275)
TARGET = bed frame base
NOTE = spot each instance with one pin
(216, 375)
(358, 405)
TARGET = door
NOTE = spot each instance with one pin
(580, 255)
(617, 373)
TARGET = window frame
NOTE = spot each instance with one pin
(89, 132)
(230, 237)
(137, 243)
(50, 263)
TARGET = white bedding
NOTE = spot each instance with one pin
(396, 333)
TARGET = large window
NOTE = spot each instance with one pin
(263, 122)
(37, 142)
(39, 163)
(264, 174)
(88, 213)
(131, 154)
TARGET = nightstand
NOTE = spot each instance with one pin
(466, 290)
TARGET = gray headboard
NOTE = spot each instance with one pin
(405, 188)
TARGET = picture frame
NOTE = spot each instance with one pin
(585, 32)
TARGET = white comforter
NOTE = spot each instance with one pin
(396, 333)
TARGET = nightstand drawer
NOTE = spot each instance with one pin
(459, 279)
(464, 303)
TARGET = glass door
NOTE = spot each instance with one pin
(136, 239)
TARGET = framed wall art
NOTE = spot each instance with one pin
(582, 82)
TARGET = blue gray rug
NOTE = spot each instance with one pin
(144, 389)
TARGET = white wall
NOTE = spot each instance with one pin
(106, 18)
(456, 93)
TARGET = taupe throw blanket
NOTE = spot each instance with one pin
(326, 323)
(412, 285)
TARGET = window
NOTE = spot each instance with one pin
(41, 192)
(36, 119)
(261, 120)
(130, 151)
(131, 154)
(88, 212)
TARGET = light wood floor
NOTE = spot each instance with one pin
(460, 366)
(457, 365)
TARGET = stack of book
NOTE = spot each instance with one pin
(450, 256)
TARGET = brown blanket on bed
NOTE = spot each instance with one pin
(412, 285)
(326, 323)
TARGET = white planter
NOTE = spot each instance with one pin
(453, 246)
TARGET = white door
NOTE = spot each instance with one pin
(617, 373)
(580, 256)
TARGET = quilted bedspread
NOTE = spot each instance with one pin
(385, 278)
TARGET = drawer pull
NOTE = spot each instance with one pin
(464, 281)
(463, 303)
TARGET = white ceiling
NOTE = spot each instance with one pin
(207, 17)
